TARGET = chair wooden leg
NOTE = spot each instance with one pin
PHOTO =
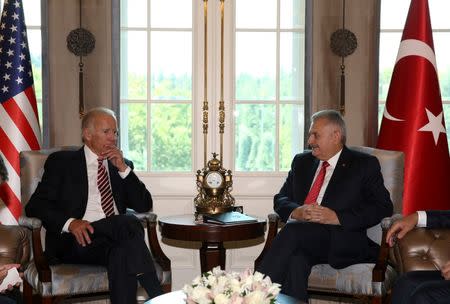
(378, 300)
(27, 293)
(46, 300)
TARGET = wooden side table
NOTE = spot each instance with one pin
(212, 236)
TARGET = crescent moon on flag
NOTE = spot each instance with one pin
(412, 47)
(389, 116)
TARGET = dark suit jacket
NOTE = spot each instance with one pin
(63, 193)
(355, 192)
(438, 219)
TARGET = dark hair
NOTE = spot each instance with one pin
(335, 118)
(3, 171)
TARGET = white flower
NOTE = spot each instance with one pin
(201, 294)
(255, 297)
(219, 287)
(221, 299)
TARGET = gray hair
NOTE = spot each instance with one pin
(333, 117)
(3, 171)
(90, 116)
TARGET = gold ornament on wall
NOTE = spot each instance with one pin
(81, 43)
(214, 182)
(343, 43)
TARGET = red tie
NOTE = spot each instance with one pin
(315, 189)
(105, 189)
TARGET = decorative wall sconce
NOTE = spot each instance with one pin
(343, 43)
(81, 43)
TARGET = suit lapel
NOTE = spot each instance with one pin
(81, 171)
(308, 177)
(339, 174)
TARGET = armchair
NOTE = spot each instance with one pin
(368, 281)
(422, 249)
(52, 283)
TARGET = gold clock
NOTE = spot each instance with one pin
(214, 185)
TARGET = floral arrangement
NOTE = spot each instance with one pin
(219, 287)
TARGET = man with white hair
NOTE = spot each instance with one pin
(82, 200)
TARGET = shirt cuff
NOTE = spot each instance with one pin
(66, 225)
(125, 173)
(421, 219)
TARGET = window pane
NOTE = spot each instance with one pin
(255, 137)
(133, 65)
(388, 43)
(441, 47)
(292, 14)
(255, 66)
(133, 133)
(171, 65)
(439, 10)
(171, 126)
(447, 121)
(35, 44)
(32, 11)
(292, 66)
(256, 13)
(291, 133)
(133, 13)
(393, 13)
(171, 13)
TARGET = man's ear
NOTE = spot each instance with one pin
(337, 136)
(86, 134)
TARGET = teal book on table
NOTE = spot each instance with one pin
(232, 217)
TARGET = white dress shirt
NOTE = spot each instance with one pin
(94, 211)
(421, 219)
(328, 174)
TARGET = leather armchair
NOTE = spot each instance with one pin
(52, 283)
(367, 281)
(14, 245)
(422, 249)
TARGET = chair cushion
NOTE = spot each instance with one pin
(69, 279)
(354, 280)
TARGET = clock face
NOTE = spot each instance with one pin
(214, 179)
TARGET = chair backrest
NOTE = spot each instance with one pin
(392, 168)
(32, 168)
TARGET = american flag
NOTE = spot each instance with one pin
(19, 124)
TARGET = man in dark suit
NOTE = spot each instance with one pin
(329, 199)
(83, 209)
(421, 287)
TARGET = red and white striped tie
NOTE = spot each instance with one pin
(311, 198)
(104, 188)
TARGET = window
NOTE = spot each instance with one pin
(156, 84)
(32, 10)
(393, 17)
(162, 79)
(269, 96)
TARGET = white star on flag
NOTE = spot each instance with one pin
(434, 125)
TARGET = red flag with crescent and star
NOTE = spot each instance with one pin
(413, 120)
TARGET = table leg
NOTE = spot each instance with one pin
(211, 255)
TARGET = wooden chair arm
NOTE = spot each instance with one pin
(35, 226)
(153, 242)
(148, 220)
(274, 224)
(378, 273)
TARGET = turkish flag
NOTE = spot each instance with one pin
(413, 120)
